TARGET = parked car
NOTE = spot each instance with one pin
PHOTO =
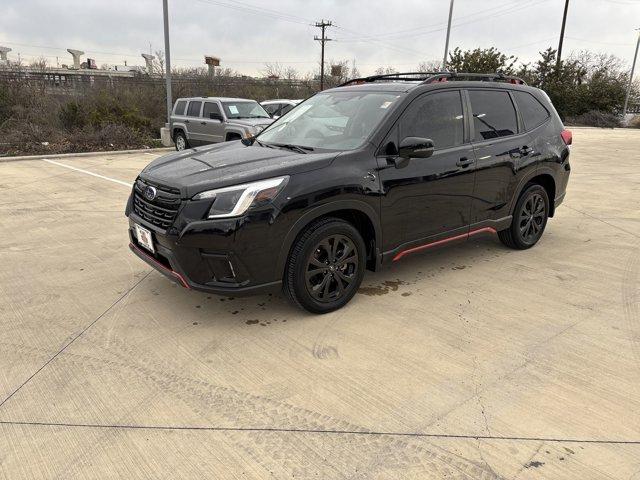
(277, 108)
(356, 178)
(204, 120)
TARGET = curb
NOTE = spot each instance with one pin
(84, 154)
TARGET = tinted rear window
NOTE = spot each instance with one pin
(494, 115)
(532, 111)
(194, 109)
(180, 106)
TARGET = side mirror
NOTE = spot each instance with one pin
(215, 116)
(415, 147)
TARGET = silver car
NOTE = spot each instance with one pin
(203, 120)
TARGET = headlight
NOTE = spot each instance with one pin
(253, 131)
(236, 200)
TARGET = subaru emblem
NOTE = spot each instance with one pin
(150, 193)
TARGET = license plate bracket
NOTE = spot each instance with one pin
(144, 237)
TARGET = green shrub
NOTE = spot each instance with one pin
(72, 116)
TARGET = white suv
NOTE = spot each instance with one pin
(277, 108)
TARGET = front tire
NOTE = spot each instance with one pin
(529, 219)
(326, 266)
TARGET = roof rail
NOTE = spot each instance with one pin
(435, 77)
(405, 76)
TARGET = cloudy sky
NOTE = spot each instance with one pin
(248, 33)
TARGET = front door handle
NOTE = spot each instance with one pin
(203, 123)
(464, 162)
(186, 121)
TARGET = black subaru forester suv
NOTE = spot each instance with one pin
(355, 177)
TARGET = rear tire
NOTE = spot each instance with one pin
(529, 219)
(326, 266)
(181, 141)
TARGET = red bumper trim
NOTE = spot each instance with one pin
(444, 240)
(160, 266)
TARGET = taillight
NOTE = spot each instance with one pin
(567, 137)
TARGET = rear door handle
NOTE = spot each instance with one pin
(464, 162)
(203, 123)
(186, 121)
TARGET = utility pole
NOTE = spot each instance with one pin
(323, 25)
(446, 44)
(167, 59)
(564, 22)
(633, 67)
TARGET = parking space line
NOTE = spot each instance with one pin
(204, 428)
(126, 184)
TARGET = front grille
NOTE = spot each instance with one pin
(160, 211)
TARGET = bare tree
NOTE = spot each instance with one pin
(157, 64)
(385, 70)
(429, 66)
(272, 70)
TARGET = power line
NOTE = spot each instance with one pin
(263, 12)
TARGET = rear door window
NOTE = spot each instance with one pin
(437, 116)
(180, 107)
(532, 111)
(494, 115)
(210, 108)
(194, 109)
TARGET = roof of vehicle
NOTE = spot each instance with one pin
(404, 82)
(280, 100)
(222, 99)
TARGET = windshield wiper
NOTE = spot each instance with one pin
(264, 144)
(295, 148)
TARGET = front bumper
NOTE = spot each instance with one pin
(211, 256)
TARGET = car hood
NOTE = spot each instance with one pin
(230, 163)
(251, 122)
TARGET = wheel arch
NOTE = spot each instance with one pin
(175, 129)
(232, 135)
(543, 178)
(360, 214)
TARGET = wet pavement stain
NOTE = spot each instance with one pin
(252, 322)
(382, 289)
(534, 464)
(406, 294)
(459, 267)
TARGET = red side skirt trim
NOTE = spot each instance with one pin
(444, 240)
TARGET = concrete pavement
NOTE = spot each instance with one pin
(470, 362)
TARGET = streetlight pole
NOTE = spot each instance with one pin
(564, 22)
(446, 44)
(633, 67)
(167, 59)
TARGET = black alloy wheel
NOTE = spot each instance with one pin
(529, 219)
(326, 266)
(331, 268)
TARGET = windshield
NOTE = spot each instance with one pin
(333, 120)
(244, 110)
